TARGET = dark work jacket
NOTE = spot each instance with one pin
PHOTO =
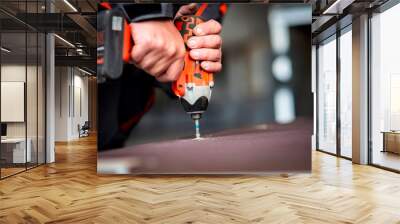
(142, 12)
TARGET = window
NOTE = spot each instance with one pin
(385, 89)
(346, 93)
(327, 96)
(22, 77)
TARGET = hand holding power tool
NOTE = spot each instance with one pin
(164, 60)
(158, 49)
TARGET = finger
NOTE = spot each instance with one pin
(150, 59)
(210, 66)
(153, 64)
(209, 41)
(186, 10)
(207, 28)
(138, 53)
(193, 7)
(205, 54)
(158, 69)
(138, 50)
(172, 73)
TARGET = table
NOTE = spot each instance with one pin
(15, 148)
(253, 150)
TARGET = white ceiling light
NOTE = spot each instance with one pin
(338, 6)
(70, 5)
(64, 40)
(84, 71)
(5, 50)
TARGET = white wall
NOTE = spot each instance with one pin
(62, 81)
(12, 101)
(33, 126)
(16, 73)
(81, 83)
(71, 94)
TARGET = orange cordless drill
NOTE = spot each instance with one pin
(114, 42)
(193, 86)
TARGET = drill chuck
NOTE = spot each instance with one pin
(199, 106)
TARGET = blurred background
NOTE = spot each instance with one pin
(266, 76)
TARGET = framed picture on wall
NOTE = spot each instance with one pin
(12, 101)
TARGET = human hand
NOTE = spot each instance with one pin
(158, 49)
(206, 45)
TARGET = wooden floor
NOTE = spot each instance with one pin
(387, 159)
(10, 171)
(5, 172)
(70, 191)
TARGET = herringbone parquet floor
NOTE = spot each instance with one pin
(70, 191)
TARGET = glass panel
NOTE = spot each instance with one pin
(2, 161)
(23, 79)
(32, 87)
(31, 100)
(327, 97)
(314, 82)
(41, 99)
(14, 153)
(385, 86)
(346, 94)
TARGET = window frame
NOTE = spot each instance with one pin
(333, 37)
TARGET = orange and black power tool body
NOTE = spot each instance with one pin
(194, 84)
(114, 44)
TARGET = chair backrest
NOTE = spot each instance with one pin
(86, 125)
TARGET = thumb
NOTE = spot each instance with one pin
(189, 9)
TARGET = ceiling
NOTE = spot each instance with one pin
(330, 15)
(73, 20)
